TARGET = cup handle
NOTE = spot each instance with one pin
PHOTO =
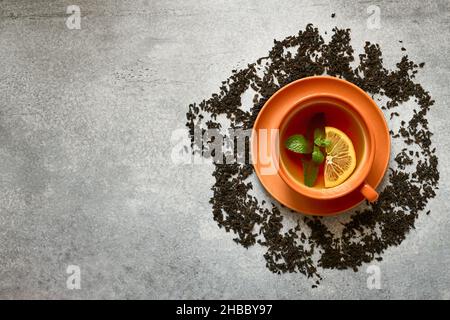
(369, 193)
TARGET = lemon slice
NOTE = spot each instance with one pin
(340, 160)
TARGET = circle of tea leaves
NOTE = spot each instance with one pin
(311, 243)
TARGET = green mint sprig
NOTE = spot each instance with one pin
(311, 145)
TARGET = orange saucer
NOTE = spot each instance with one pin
(270, 117)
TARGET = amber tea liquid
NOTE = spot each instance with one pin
(337, 114)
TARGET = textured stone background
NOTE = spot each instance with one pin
(85, 170)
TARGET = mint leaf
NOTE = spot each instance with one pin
(297, 143)
(316, 122)
(310, 172)
(326, 143)
(319, 133)
(322, 142)
(317, 155)
(318, 142)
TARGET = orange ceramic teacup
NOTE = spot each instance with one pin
(341, 114)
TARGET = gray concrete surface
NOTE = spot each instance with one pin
(85, 171)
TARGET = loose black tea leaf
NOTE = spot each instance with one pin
(311, 244)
